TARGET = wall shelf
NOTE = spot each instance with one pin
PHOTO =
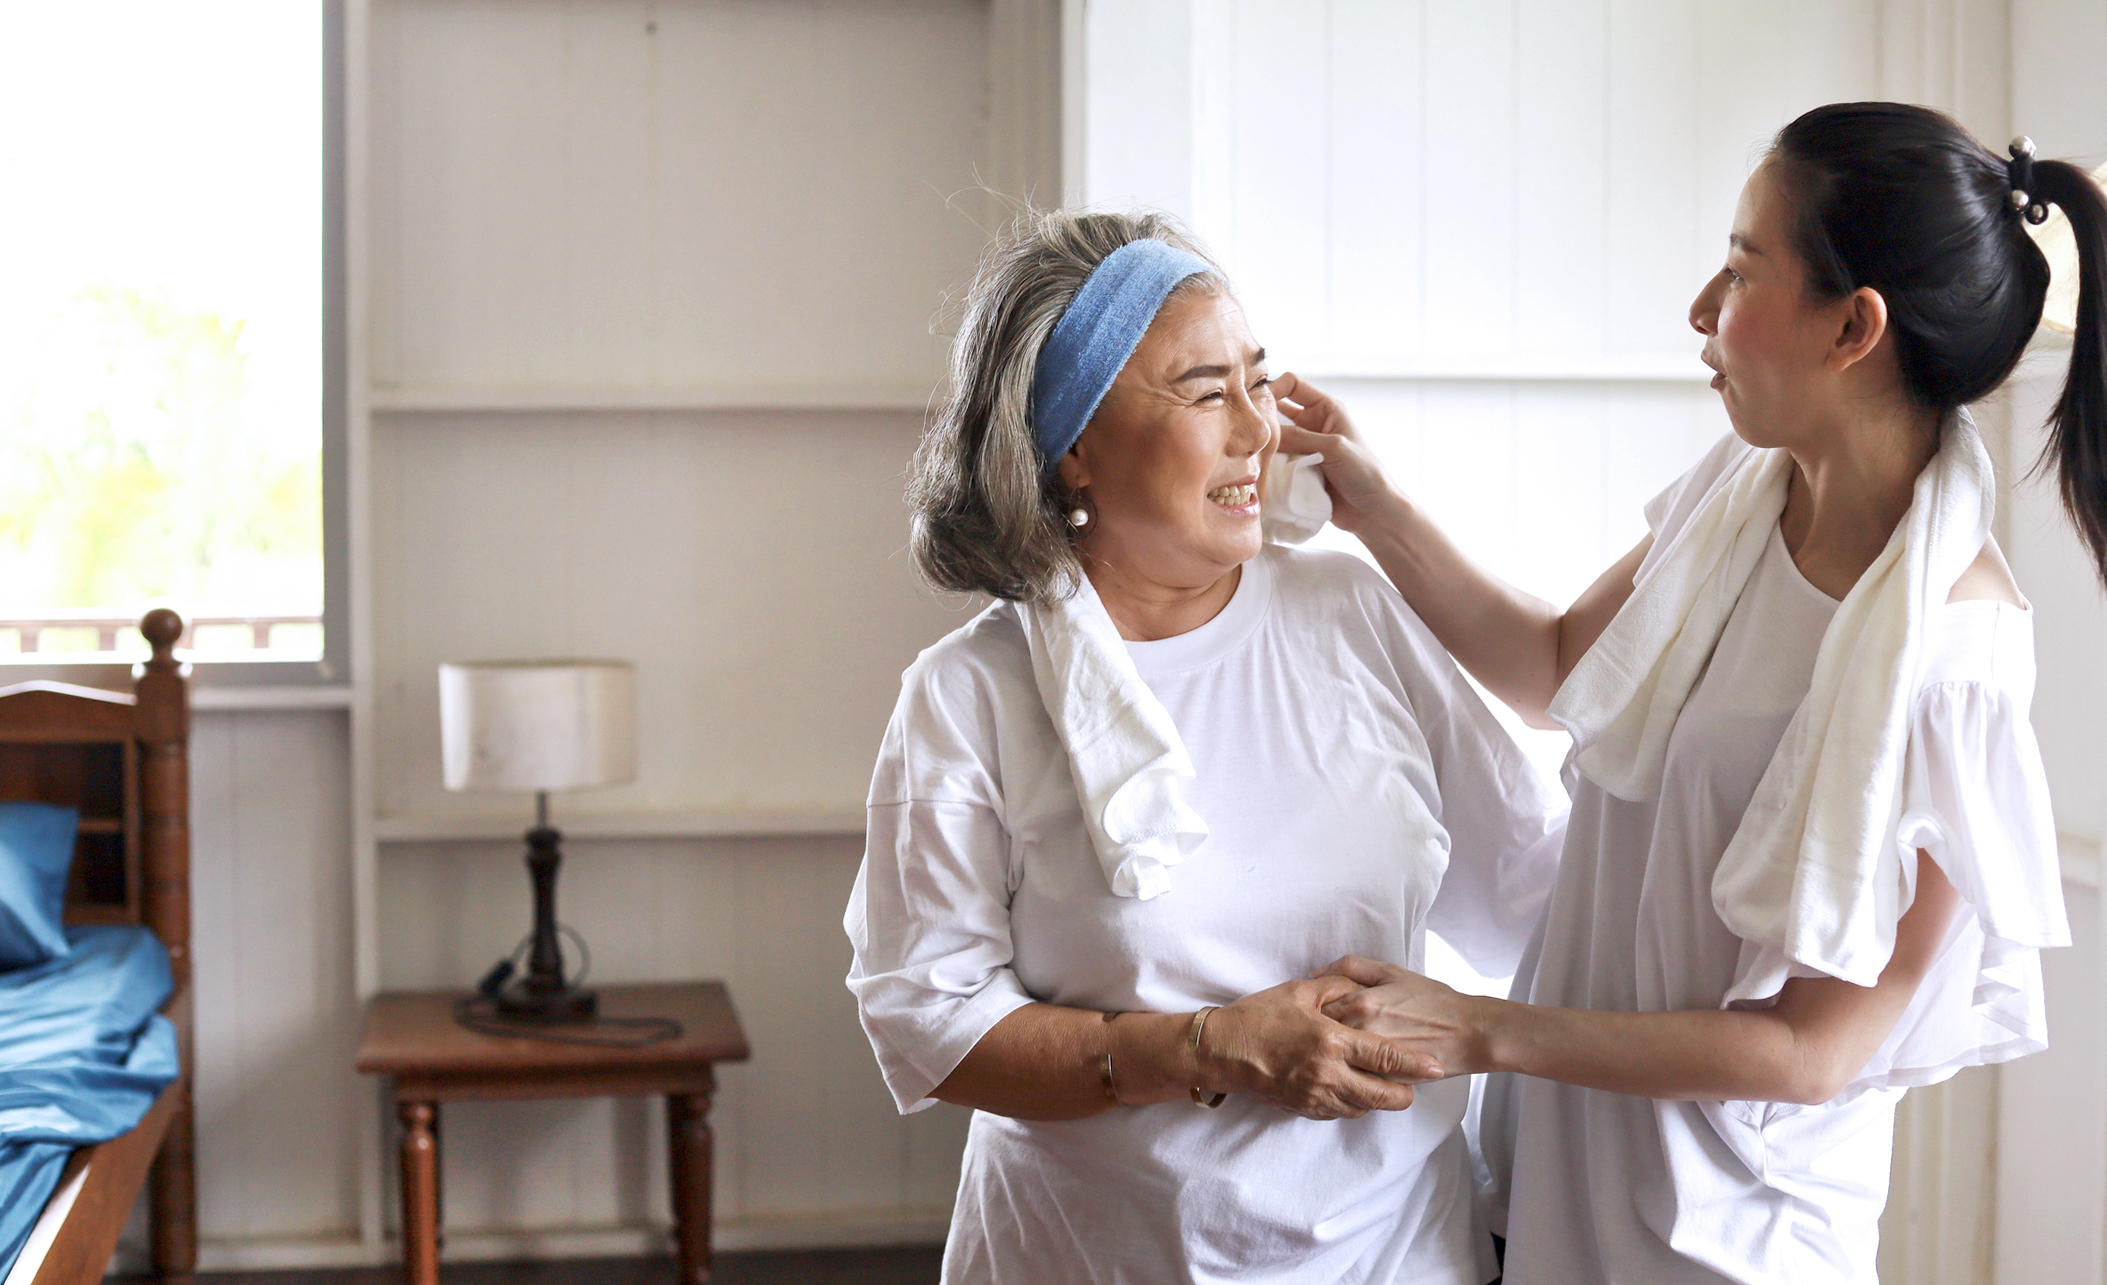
(846, 819)
(204, 697)
(716, 397)
(1608, 370)
(2080, 860)
(920, 397)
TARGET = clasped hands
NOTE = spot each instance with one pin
(1351, 1039)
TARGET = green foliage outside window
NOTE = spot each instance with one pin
(130, 473)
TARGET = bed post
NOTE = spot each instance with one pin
(162, 726)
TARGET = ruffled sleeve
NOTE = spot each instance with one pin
(1975, 799)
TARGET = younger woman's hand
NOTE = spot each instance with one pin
(1414, 1012)
(1278, 1046)
(1319, 425)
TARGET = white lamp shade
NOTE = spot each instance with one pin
(537, 724)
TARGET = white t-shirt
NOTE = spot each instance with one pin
(1609, 1188)
(1357, 792)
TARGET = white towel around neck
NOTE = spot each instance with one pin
(1813, 876)
(1131, 769)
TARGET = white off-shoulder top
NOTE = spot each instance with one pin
(1600, 1187)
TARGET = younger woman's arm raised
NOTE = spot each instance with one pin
(1518, 645)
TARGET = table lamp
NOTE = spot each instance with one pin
(539, 725)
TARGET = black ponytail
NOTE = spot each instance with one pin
(2078, 427)
(1904, 201)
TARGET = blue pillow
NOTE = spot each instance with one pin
(36, 850)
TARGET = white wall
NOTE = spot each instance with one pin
(647, 302)
(629, 196)
(279, 1109)
(2052, 1155)
(752, 563)
(656, 308)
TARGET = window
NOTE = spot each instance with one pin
(162, 345)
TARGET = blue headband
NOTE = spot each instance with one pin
(1092, 341)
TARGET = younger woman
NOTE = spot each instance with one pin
(1810, 861)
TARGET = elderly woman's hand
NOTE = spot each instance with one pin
(1279, 1047)
(1357, 483)
(1416, 1013)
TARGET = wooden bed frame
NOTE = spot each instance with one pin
(123, 760)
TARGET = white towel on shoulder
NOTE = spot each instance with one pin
(1131, 769)
(1813, 879)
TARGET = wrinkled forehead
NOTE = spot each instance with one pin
(1201, 324)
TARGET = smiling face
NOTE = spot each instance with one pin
(1773, 346)
(1172, 458)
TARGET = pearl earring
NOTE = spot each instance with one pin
(1078, 518)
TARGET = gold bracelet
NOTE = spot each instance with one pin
(1104, 1068)
(1192, 1045)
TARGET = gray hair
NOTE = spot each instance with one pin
(987, 518)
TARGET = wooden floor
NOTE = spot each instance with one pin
(912, 1265)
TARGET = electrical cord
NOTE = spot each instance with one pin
(479, 1012)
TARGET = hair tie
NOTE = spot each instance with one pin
(1095, 336)
(2020, 171)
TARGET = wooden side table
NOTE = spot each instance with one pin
(412, 1036)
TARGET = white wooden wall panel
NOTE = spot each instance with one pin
(1496, 463)
(1941, 1195)
(1955, 55)
(278, 1104)
(1147, 52)
(753, 564)
(1442, 187)
(1377, 212)
(2051, 1209)
(2070, 613)
(1654, 256)
(709, 204)
(2058, 95)
(2052, 1117)
(1561, 185)
(671, 195)
(279, 1108)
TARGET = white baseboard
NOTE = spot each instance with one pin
(850, 1230)
(836, 1231)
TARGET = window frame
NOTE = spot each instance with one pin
(334, 667)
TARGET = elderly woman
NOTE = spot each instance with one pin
(1170, 768)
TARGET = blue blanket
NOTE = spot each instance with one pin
(83, 1055)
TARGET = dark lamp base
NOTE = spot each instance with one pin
(525, 1002)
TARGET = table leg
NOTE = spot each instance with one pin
(420, 1192)
(688, 1129)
